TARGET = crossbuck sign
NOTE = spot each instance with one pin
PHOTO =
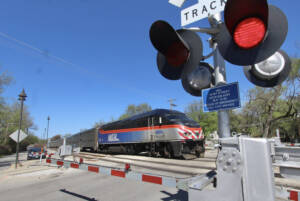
(201, 10)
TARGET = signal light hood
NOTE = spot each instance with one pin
(277, 28)
(176, 49)
(271, 72)
(196, 78)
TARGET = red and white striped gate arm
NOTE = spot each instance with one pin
(123, 173)
(294, 195)
(287, 194)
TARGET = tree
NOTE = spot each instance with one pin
(5, 80)
(56, 137)
(12, 118)
(135, 109)
(30, 139)
(99, 124)
(268, 106)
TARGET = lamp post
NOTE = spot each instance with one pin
(48, 131)
(22, 97)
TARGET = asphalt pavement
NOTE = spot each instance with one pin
(70, 184)
(7, 161)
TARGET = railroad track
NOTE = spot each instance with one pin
(143, 165)
(205, 164)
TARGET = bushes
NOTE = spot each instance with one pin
(10, 147)
(5, 149)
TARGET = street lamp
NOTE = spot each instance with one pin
(22, 97)
(48, 131)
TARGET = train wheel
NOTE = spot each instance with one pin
(167, 151)
(199, 154)
(130, 149)
(154, 154)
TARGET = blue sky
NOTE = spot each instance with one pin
(81, 61)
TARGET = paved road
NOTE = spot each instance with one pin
(81, 185)
(6, 161)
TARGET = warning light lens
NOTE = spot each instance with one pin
(249, 32)
(177, 54)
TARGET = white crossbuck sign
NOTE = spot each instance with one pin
(201, 10)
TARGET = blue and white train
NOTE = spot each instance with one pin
(160, 132)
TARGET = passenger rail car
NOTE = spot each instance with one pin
(167, 133)
(87, 140)
(55, 143)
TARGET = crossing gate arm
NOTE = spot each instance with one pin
(125, 173)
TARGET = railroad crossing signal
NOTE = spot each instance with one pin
(251, 37)
(253, 31)
(179, 55)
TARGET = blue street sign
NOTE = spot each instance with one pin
(221, 98)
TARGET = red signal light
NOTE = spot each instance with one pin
(177, 54)
(127, 167)
(249, 32)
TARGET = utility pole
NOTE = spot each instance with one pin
(44, 134)
(22, 97)
(171, 103)
(47, 131)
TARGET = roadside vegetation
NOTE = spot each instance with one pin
(9, 121)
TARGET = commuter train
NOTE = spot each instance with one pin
(160, 132)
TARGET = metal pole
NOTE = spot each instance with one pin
(44, 134)
(171, 103)
(47, 132)
(22, 97)
(220, 79)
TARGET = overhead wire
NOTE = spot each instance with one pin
(80, 68)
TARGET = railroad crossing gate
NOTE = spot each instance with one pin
(244, 166)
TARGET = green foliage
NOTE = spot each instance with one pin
(5, 149)
(99, 124)
(135, 109)
(56, 137)
(295, 72)
(9, 121)
(30, 139)
(269, 109)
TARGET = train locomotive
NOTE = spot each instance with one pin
(167, 133)
(160, 132)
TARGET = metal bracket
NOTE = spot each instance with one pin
(210, 31)
(244, 172)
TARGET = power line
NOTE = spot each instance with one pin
(80, 68)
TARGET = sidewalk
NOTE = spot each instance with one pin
(26, 167)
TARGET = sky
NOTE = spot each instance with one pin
(82, 61)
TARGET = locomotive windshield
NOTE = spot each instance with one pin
(180, 118)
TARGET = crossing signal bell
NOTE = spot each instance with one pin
(179, 55)
(251, 35)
